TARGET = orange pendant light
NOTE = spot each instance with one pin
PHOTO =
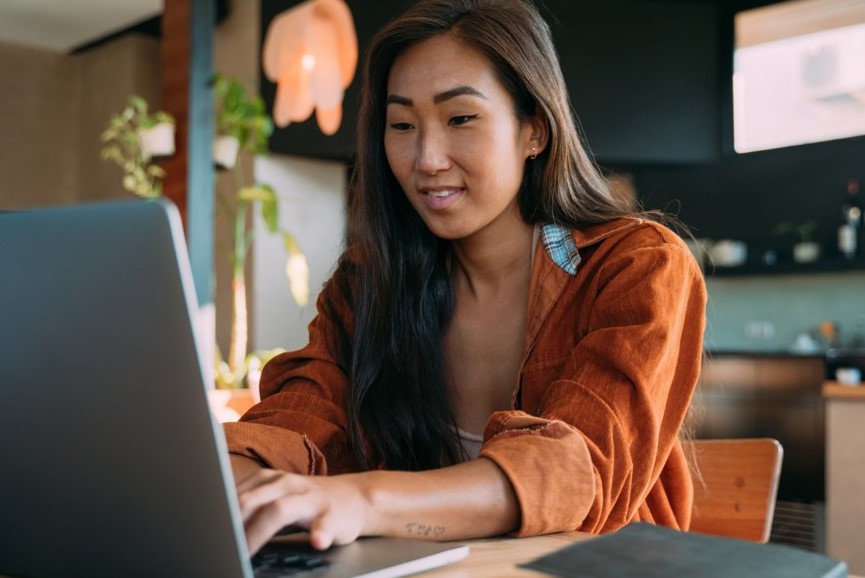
(310, 52)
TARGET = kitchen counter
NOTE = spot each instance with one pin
(834, 390)
(845, 473)
(714, 353)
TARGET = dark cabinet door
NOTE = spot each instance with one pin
(765, 396)
(643, 77)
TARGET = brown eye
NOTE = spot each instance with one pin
(462, 119)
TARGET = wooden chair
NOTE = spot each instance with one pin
(735, 486)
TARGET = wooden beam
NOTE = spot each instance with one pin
(187, 64)
(175, 96)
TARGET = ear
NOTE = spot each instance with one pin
(538, 134)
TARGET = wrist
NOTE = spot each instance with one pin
(373, 502)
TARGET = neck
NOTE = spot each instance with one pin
(490, 264)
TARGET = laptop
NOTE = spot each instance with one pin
(111, 463)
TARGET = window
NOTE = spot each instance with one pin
(798, 73)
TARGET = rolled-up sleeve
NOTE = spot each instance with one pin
(552, 495)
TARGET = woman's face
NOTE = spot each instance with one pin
(453, 140)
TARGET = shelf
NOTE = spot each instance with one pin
(826, 265)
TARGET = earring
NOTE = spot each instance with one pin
(534, 154)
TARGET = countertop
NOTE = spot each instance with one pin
(834, 390)
(763, 353)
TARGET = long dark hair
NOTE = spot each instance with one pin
(400, 410)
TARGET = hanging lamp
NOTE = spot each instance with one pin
(310, 52)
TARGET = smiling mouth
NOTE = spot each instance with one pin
(443, 193)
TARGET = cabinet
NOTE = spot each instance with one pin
(845, 474)
(777, 396)
(769, 396)
(643, 78)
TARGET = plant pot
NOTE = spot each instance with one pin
(158, 140)
(225, 149)
(806, 252)
(229, 404)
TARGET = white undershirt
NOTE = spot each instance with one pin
(471, 443)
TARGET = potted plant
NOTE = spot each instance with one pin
(132, 139)
(241, 122)
(157, 134)
(805, 250)
(243, 118)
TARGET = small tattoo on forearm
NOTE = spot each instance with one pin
(425, 530)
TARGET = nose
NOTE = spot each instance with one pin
(432, 152)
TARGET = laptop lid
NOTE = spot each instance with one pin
(110, 461)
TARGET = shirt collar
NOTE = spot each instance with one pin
(562, 243)
(560, 247)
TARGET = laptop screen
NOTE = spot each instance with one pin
(112, 464)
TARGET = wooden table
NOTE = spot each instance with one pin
(497, 558)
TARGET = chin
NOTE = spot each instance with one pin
(445, 231)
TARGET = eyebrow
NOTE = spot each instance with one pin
(438, 98)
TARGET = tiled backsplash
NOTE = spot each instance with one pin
(769, 313)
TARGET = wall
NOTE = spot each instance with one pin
(37, 130)
(792, 304)
(312, 200)
(54, 107)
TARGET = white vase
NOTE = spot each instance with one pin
(225, 149)
(158, 140)
(806, 252)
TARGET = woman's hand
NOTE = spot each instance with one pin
(470, 500)
(334, 510)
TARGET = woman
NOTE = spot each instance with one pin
(503, 347)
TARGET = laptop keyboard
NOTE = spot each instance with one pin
(276, 562)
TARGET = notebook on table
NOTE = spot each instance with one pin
(110, 461)
(649, 551)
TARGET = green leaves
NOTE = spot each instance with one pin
(804, 230)
(241, 115)
(123, 147)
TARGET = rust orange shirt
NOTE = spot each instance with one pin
(612, 354)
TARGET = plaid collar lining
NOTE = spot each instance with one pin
(559, 245)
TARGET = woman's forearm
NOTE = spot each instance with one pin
(469, 500)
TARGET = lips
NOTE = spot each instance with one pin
(442, 197)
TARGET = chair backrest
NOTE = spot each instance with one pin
(735, 487)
